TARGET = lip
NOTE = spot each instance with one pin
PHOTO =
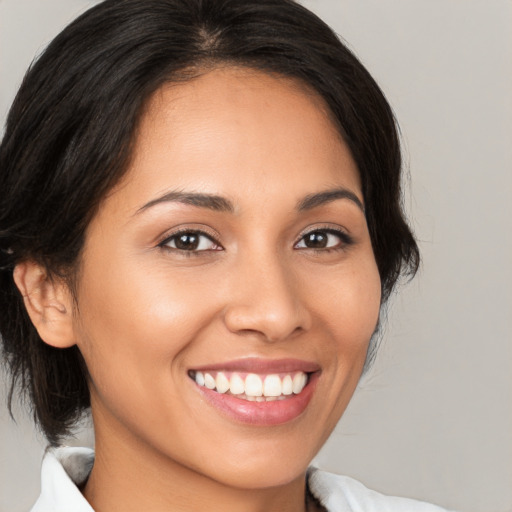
(270, 413)
(263, 366)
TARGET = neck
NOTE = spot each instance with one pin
(129, 476)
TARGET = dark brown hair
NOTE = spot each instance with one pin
(69, 133)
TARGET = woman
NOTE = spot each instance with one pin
(200, 224)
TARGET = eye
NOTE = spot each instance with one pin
(190, 241)
(320, 239)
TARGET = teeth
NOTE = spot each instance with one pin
(253, 385)
(209, 381)
(287, 387)
(299, 381)
(254, 388)
(237, 385)
(199, 378)
(272, 385)
(221, 383)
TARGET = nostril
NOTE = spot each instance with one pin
(271, 323)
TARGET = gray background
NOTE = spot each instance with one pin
(433, 419)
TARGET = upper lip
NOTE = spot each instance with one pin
(259, 365)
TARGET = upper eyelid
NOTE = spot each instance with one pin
(345, 238)
(199, 231)
(215, 238)
(328, 228)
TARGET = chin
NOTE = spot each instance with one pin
(264, 474)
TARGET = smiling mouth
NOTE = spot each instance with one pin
(252, 387)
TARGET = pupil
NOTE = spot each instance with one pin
(316, 240)
(187, 242)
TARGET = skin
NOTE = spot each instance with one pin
(148, 313)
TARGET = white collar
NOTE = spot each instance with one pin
(65, 469)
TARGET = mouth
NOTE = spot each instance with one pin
(258, 392)
(252, 387)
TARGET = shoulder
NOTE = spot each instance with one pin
(343, 494)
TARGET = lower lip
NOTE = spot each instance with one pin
(271, 413)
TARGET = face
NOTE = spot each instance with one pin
(228, 289)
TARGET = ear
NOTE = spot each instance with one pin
(49, 304)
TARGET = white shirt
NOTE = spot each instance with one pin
(64, 469)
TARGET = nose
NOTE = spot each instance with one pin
(265, 300)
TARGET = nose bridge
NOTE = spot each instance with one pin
(265, 298)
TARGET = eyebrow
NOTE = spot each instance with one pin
(320, 198)
(209, 201)
(222, 204)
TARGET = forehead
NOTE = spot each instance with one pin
(232, 130)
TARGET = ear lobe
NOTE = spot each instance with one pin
(48, 304)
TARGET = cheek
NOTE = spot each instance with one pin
(347, 307)
(135, 318)
(135, 330)
(346, 300)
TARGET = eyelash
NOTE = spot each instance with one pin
(345, 240)
(184, 252)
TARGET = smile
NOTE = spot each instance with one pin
(259, 392)
(252, 386)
